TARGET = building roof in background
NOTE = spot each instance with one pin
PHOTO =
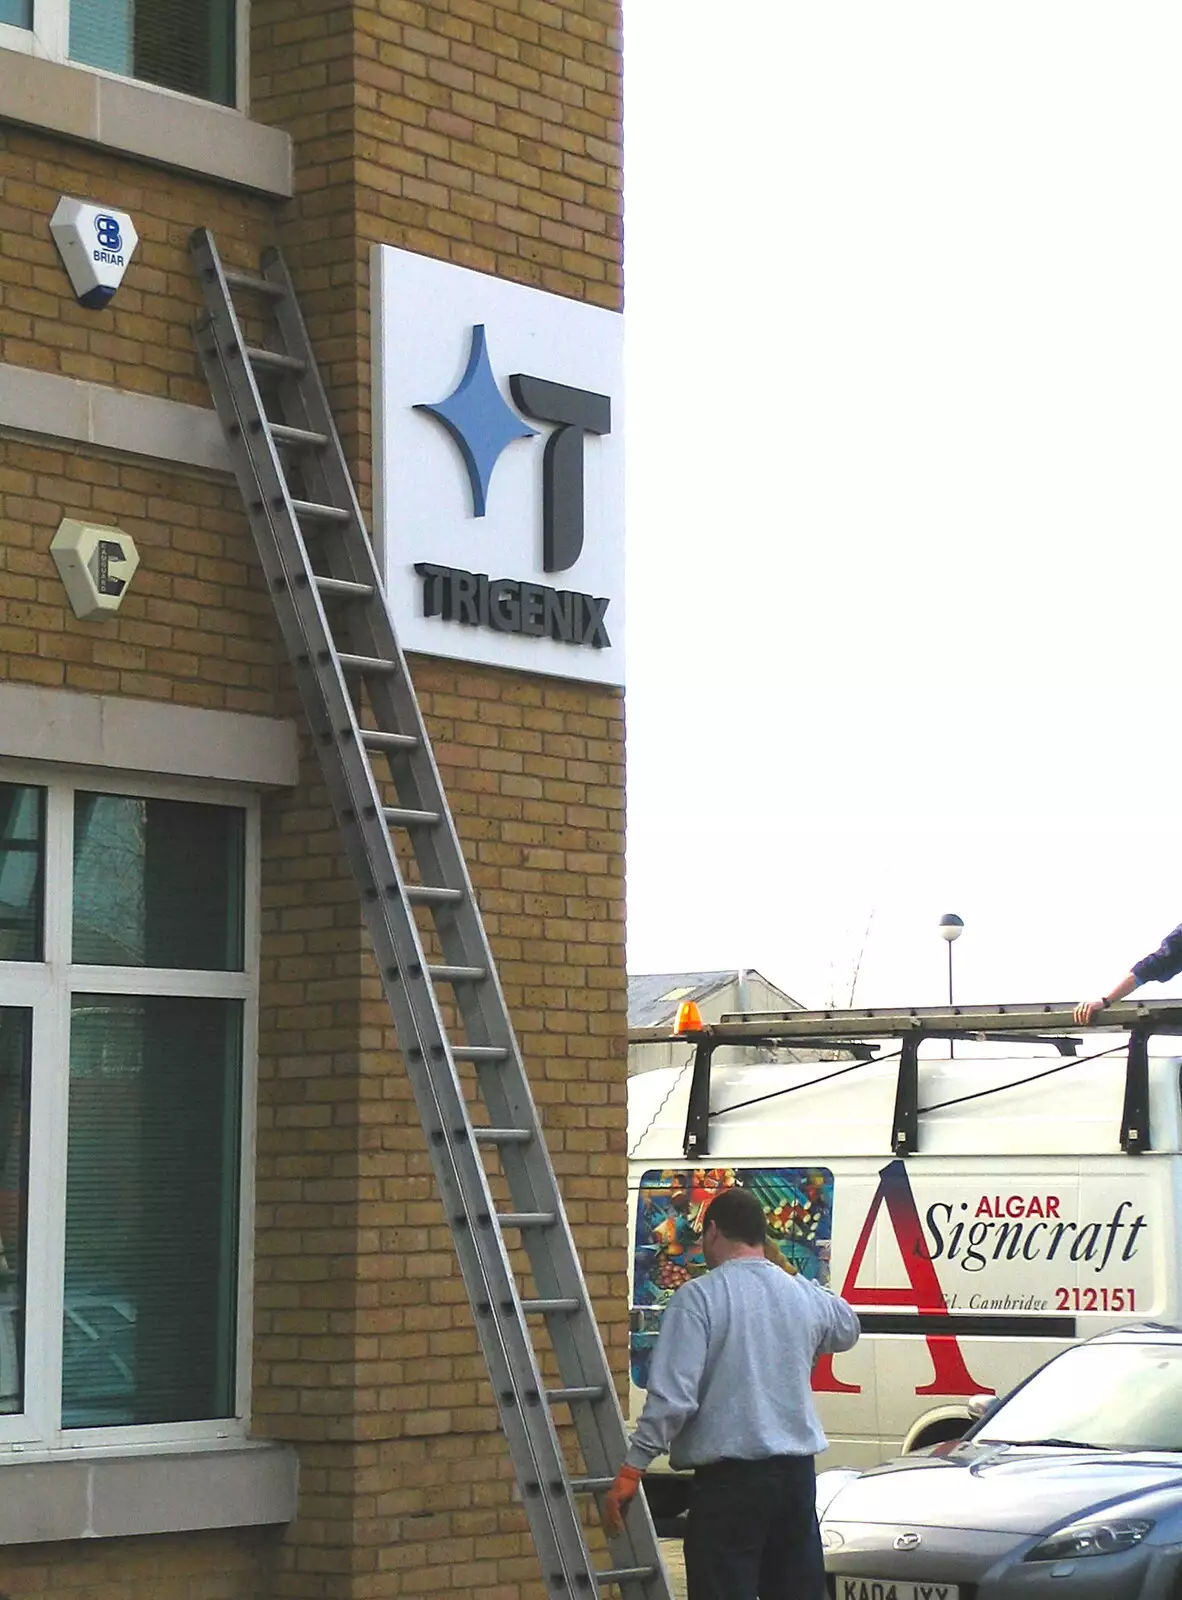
(653, 997)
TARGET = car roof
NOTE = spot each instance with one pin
(1140, 1333)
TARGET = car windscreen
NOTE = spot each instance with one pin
(1102, 1396)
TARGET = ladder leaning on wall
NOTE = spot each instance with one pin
(361, 707)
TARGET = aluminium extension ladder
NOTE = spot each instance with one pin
(337, 629)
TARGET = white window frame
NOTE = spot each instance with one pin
(47, 988)
(49, 39)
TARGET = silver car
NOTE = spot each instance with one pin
(1069, 1487)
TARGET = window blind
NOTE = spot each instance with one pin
(188, 46)
(151, 1209)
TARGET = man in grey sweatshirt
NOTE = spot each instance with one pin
(729, 1396)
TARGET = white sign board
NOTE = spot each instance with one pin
(499, 513)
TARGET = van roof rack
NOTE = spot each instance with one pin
(880, 1022)
(1049, 1023)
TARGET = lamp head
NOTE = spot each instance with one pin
(951, 926)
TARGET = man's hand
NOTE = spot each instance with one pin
(1087, 1009)
(619, 1497)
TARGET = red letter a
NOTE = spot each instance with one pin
(925, 1295)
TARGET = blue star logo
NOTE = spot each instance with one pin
(479, 419)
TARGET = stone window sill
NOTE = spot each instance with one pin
(123, 734)
(139, 120)
(155, 1491)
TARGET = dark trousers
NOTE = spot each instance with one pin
(751, 1533)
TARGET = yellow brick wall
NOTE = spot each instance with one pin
(490, 134)
(195, 1566)
(487, 134)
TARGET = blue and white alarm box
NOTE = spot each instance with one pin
(96, 243)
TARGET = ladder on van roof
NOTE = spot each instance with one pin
(858, 1032)
(362, 710)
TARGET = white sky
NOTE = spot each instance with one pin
(904, 296)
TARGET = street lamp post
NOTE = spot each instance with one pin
(951, 928)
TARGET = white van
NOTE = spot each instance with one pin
(980, 1210)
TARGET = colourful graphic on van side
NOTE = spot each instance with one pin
(798, 1203)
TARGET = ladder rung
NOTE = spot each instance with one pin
(375, 739)
(373, 664)
(430, 894)
(343, 587)
(568, 1304)
(526, 1219)
(247, 280)
(301, 438)
(624, 1574)
(590, 1485)
(315, 512)
(588, 1391)
(407, 817)
(479, 1052)
(458, 975)
(502, 1135)
(274, 359)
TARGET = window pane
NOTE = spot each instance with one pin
(157, 883)
(17, 13)
(22, 856)
(189, 47)
(151, 1210)
(100, 34)
(16, 1036)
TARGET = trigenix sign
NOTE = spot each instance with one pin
(499, 460)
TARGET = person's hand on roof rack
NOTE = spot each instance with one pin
(1163, 963)
(1087, 1009)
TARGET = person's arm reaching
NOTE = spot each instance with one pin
(1159, 965)
(674, 1379)
(673, 1382)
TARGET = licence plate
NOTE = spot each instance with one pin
(892, 1589)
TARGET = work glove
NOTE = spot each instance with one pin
(619, 1497)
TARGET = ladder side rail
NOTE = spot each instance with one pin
(505, 1089)
(481, 1250)
(316, 413)
(533, 1184)
(576, 1340)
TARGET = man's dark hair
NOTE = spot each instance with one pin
(737, 1214)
